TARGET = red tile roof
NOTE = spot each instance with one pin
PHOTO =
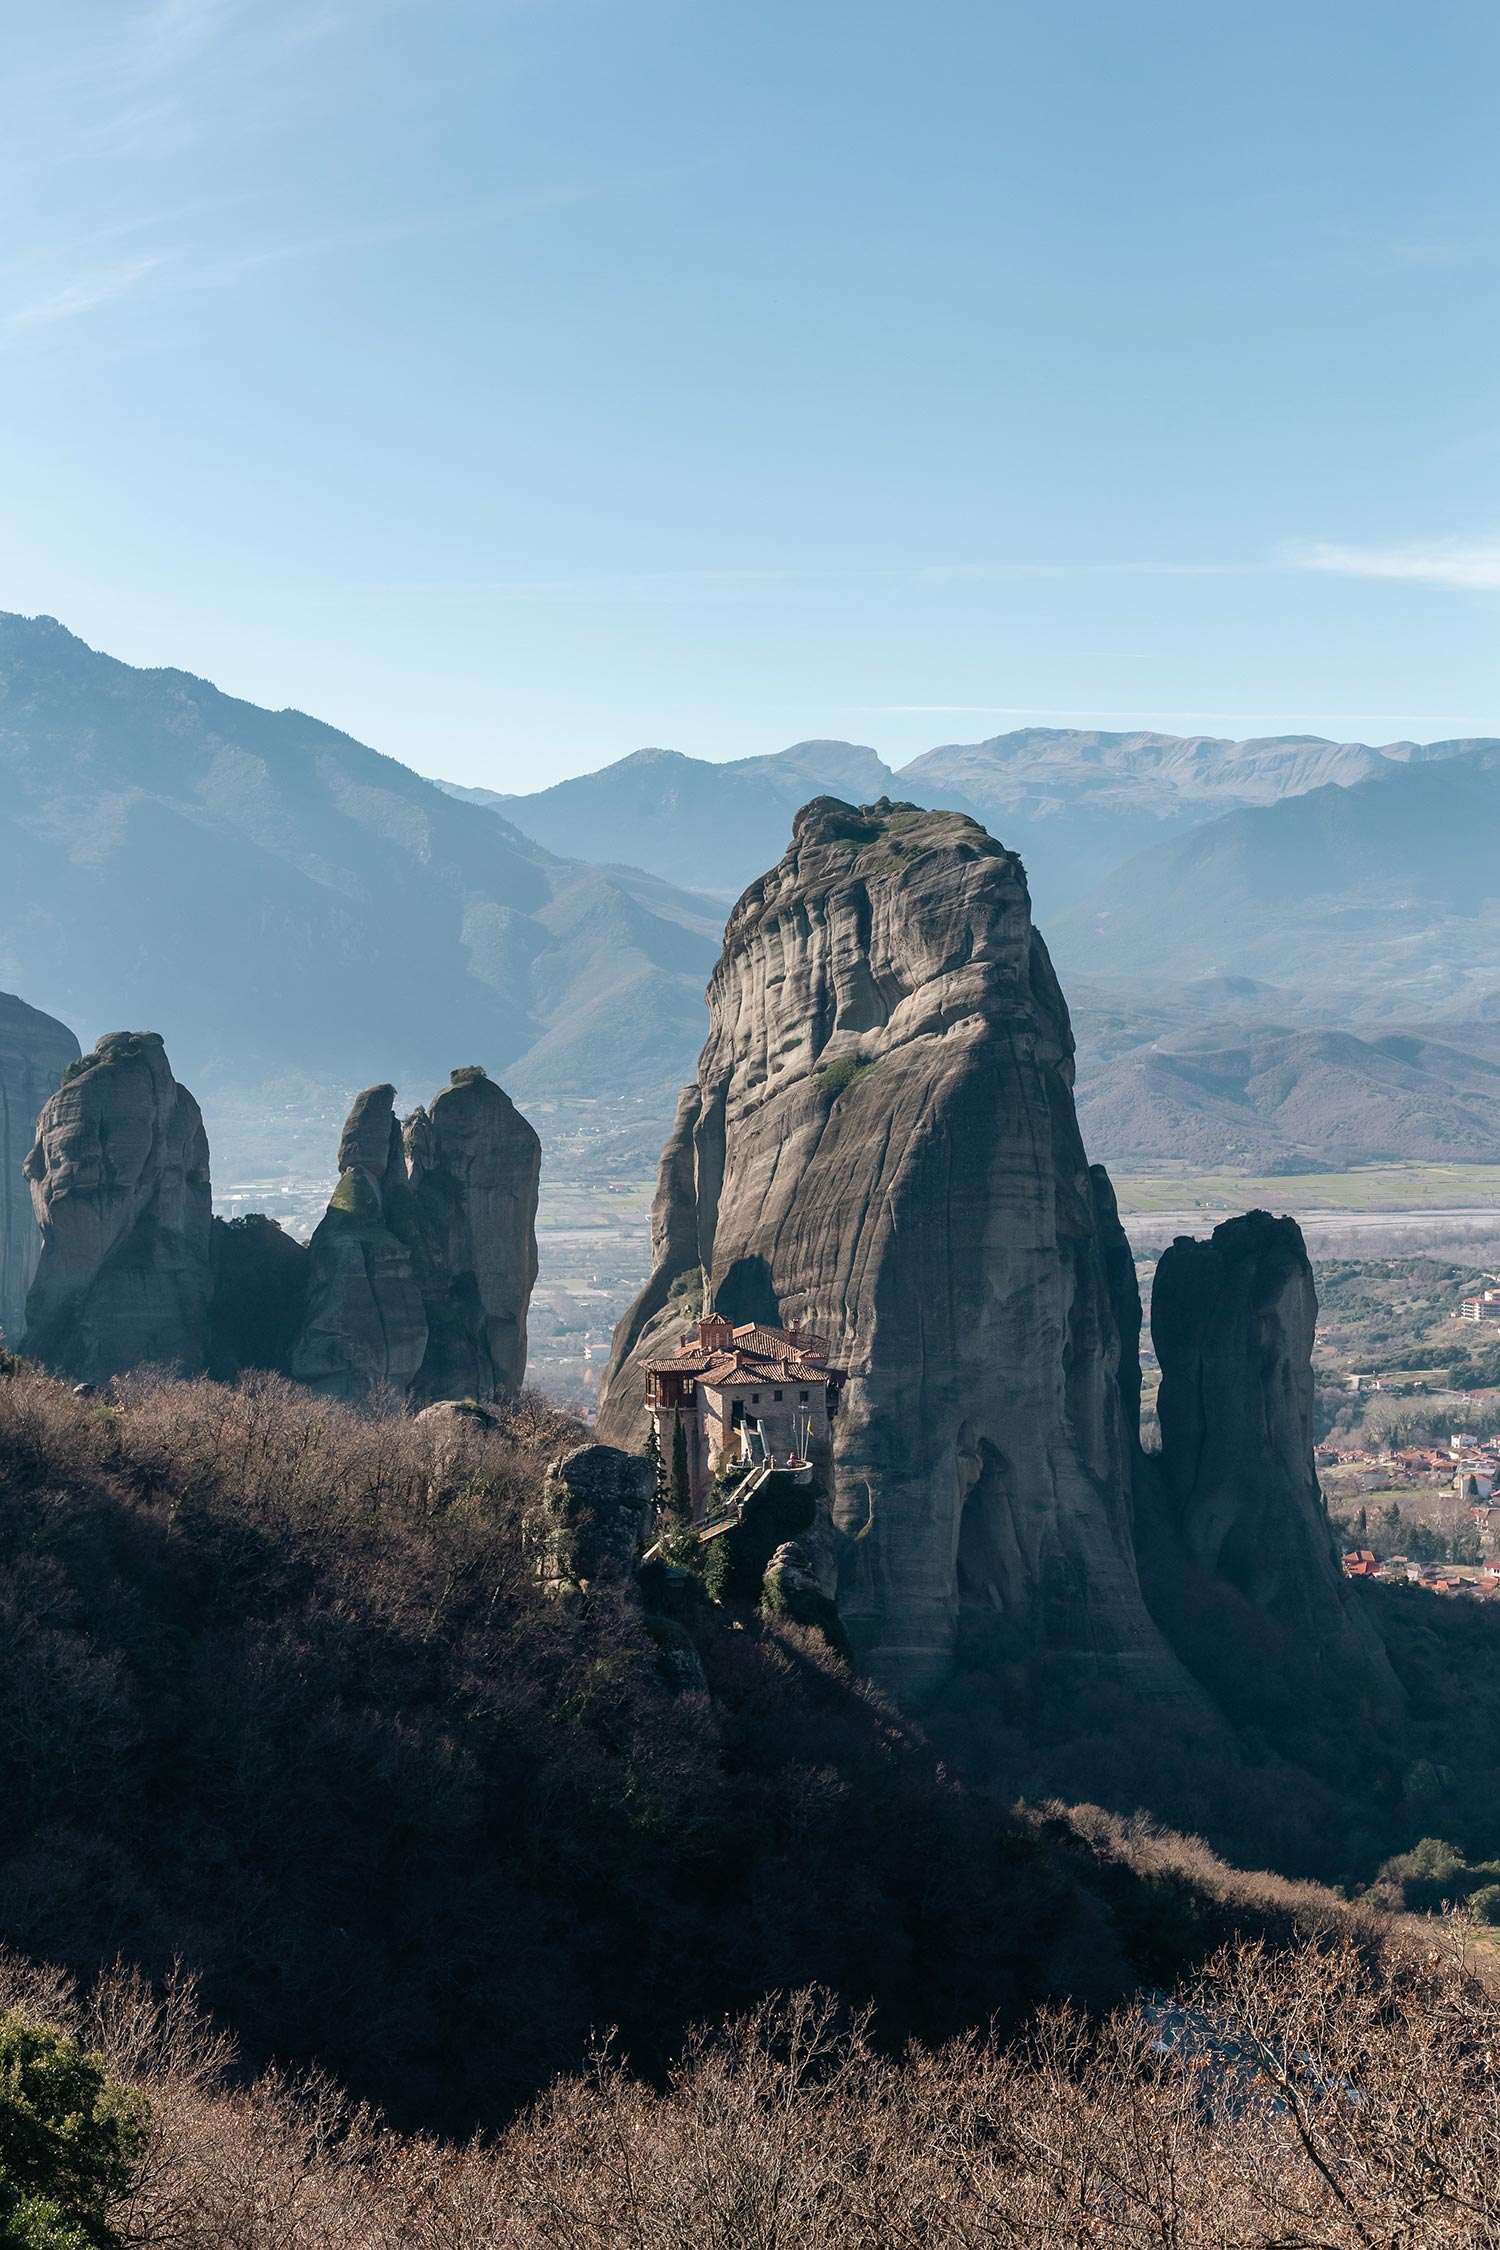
(776, 1343)
(757, 1355)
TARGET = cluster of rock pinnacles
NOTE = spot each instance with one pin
(880, 1146)
(415, 1284)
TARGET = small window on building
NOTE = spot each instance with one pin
(755, 1398)
(802, 1398)
(775, 1394)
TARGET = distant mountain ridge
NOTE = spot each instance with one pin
(276, 896)
(662, 810)
(1384, 894)
(1075, 803)
(279, 898)
(1273, 1095)
(1040, 765)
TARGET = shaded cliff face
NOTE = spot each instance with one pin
(881, 1143)
(474, 1163)
(120, 1189)
(259, 1299)
(1232, 1323)
(419, 1275)
(35, 1050)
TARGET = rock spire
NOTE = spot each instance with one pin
(881, 1146)
(1232, 1324)
(35, 1050)
(120, 1188)
(420, 1273)
(474, 1163)
(365, 1327)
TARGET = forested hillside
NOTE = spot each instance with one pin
(296, 1697)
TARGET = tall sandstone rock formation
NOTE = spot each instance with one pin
(420, 1273)
(474, 1164)
(1232, 1324)
(120, 1189)
(881, 1144)
(365, 1327)
(35, 1050)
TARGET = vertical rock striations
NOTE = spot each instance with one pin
(417, 1280)
(421, 1271)
(365, 1327)
(474, 1163)
(35, 1050)
(1232, 1323)
(120, 1188)
(881, 1144)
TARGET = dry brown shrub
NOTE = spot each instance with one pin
(1316, 2099)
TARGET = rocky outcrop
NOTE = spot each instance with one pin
(1232, 1324)
(598, 1504)
(420, 1273)
(35, 1050)
(416, 1283)
(473, 1164)
(120, 1189)
(792, 1587)
(881, 1145)
(365, 1328)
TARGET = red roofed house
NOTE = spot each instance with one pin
(745, 1394)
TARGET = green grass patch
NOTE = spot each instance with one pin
(837, 1077)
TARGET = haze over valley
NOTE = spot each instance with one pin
(1279, 979)
(749, 1126)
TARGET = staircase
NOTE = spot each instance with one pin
(742, 1492)
(763, 1471)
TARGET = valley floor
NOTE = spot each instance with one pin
(1450, 1196)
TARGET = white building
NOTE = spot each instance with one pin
(744, 1394)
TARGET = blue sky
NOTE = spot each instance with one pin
(516, 382)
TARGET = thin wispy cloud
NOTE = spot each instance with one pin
(1436, 255)
(146, 90)
(1468, 566)
(1262, 720)
(156, 83)
(493, 211)
(734, 582)
(180, 273)
(105, 285)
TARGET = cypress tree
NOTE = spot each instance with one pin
(679, 1483)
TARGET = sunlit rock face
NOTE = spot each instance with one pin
(365, 1328)
(420, 1272)
(120, 1188)
(881, 1145)
(35, 1050)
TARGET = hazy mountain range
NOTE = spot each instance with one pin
(1266, 1097)
(1384, 895)
(1075, 804)
(275, 897)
